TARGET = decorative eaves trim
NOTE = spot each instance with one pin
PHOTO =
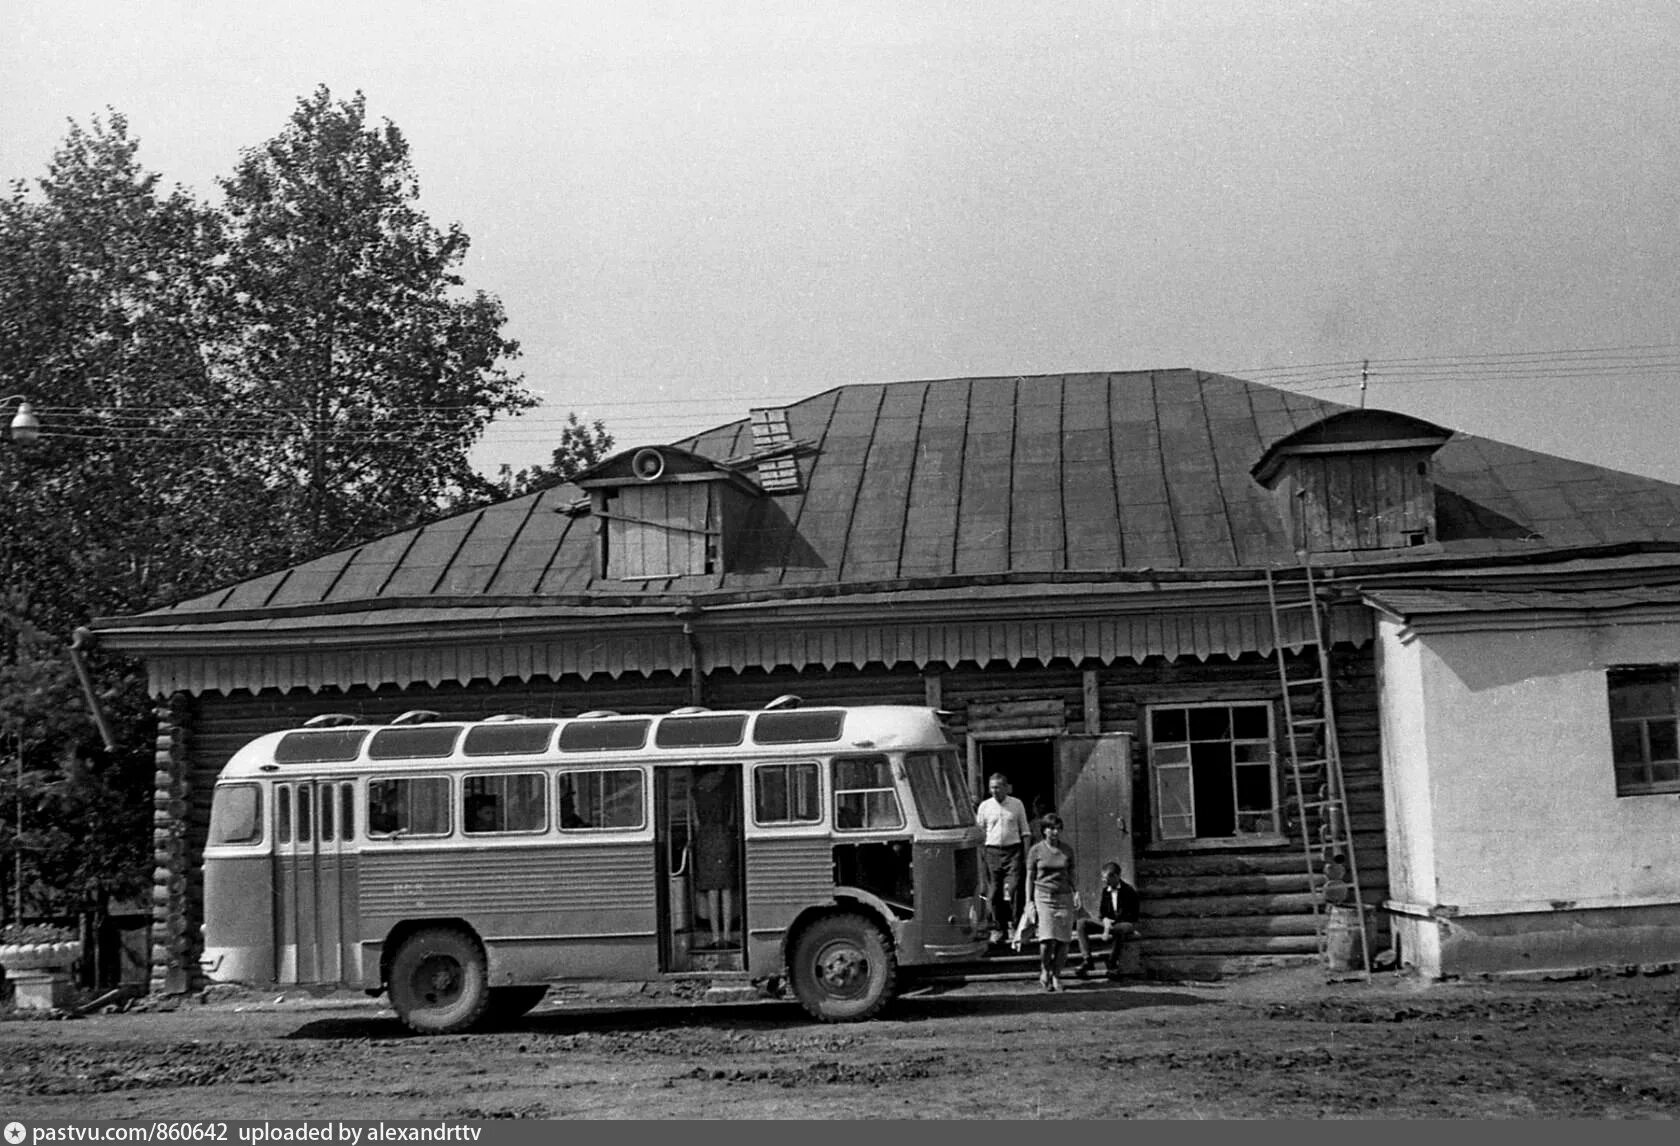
(1135, 636)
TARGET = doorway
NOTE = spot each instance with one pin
(1030, 766)
(702, 901)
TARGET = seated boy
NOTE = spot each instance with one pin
(1117, 916)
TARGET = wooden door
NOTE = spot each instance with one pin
(1094, 797)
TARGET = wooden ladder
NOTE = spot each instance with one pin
(1320, 796)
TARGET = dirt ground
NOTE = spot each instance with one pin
(1279, 1044)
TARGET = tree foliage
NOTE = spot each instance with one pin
(354, 342)
(223, 389)
(581, 446)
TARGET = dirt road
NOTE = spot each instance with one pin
(1284, 1044)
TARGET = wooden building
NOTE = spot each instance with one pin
(1077, 568)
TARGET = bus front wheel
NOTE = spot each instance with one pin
(842, 969)
(439, 983)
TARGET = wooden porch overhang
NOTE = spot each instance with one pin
(408, 646)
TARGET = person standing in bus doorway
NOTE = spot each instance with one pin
(1050, 875)
(716, 866)
(1005, 822)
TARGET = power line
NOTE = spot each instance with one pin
(175, 424)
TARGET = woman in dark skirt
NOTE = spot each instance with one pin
(716, 855)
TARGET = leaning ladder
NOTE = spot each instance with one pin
(1320, 795)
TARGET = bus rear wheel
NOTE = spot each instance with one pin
(843, 969)
(439, 983)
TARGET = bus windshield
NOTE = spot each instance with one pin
(236, 814)
(936, 781)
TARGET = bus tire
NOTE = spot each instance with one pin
(509, 1004)
(439, 983)
(843, 969)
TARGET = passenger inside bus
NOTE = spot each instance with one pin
(712, 811)
(569, 817)
(482, 814)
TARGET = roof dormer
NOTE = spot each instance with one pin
(666, 512)
(1358, 480)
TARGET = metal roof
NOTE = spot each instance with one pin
(967, 481)
(1407, 604)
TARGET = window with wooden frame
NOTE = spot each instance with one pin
(1213, 771)
(1645, 728)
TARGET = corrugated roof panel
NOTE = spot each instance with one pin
(423, 565)
(473, 567)
(1192, 479)
(1148, 536)
(576, 558)
(930, 523)
(1272, 418)
(310, 581)
(254, 594)
(831, 498)
(527, 554)
(720, 442)
(1088, 489)
(1235, 440)
(1037, 535)
(370, 567)
(988, 457)
(876, 535)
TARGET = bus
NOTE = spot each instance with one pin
(462, 867)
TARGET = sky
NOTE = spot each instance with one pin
(691, 209)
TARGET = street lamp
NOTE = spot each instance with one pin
(26, 427)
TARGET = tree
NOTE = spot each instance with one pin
(222, 393)
(581, 446)
(358, 346)
(106, 292)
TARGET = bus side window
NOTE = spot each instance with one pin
(305, 804)
(283, 814)
(786, 794)
(347, 809)
(601, 798)
(328, 805)
(417, 806)
(507, 803)
(865, 798)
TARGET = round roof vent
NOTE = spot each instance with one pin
(647, 464)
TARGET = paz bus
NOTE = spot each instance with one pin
(463, 866)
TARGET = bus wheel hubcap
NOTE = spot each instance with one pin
(439, 979)
(843, 970)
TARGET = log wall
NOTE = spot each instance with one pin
(1206, 913)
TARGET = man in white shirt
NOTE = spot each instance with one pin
(1004, 819)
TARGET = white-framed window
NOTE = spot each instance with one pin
(512, 802)
(406, 806)
(865, 797)
(601, 798)
(1213, 771)
(786, 793)
(1645, 728)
